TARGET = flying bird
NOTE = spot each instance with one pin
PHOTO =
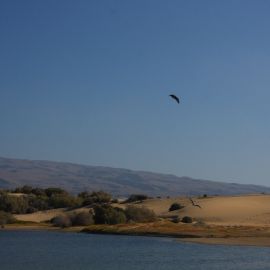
(175, 98)
(194, 204)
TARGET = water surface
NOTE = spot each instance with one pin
(35, 250)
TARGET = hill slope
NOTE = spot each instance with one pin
(75, 178)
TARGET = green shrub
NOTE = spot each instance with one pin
(106, 214)
(140, 214)
(39, 202)
(62, 221)
(39, 192)
(187, 219)
(13, 204)
(117, 216)
(6, 218)
(62, 201)
(176, 220)
(82, 219)
(175, 206)
(24, 189)
(95, 197)
(136, 197)
(55, 191)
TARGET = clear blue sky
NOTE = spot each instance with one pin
(88, 82)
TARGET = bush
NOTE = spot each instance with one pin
(62, 200)
(176, 219)
(176, 206)
(62, 221)
(82, 219)
(187, 219)
(39, 192)
(118, 216)
(106, 214)
(55, 191)
(6, 218)
(95, 197)
(136, 197)
(13, 204)
(140, 214)
(40, 202)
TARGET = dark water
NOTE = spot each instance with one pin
(52, 250)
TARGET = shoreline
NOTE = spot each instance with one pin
(231, 241)
(197, 236)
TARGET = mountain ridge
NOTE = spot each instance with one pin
(118, 181)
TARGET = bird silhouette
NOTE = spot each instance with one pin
(194, 204)
(175, 98)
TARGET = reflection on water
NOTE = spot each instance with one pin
(24, 250)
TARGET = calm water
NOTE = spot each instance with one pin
(52, 250)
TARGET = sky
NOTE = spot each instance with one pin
(88, 82)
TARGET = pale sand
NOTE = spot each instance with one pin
(42, 216)
(247, 210)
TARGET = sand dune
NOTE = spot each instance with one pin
(221, 210)
(247, 210)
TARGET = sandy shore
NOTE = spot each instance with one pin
(262, 241)
(236, 241)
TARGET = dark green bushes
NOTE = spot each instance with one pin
(82, 219)
(136, 197)
(36, 199)
(13, 204)
(62, 201)
(106, 214)
(28, 200)
(75, 219)
(96, 197)
(62, 221)
(6, 218)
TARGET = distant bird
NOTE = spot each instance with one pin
(175, 98)
(194, 203)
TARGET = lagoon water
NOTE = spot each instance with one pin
(35, 250)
